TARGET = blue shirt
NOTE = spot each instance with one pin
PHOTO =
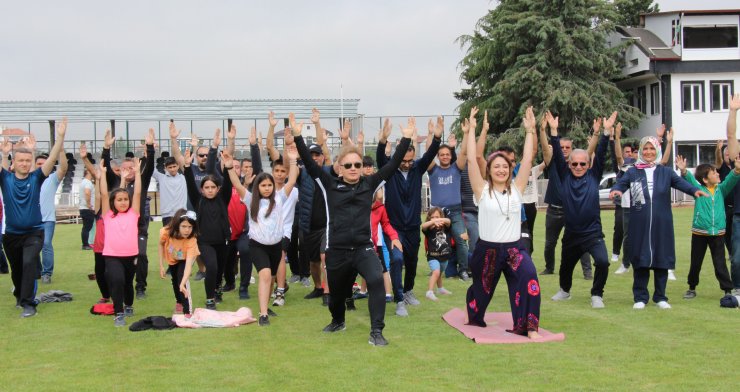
(48, 191)
(445, 186)
(21, 197)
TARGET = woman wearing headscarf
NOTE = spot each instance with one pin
(652, 244)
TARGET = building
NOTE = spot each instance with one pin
(681, 71)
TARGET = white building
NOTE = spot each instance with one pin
(682, 70)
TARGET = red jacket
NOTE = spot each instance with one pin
(237, 215)
(378, 215)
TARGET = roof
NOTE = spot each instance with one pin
(649, 43)
(158, 110)
(693, 12)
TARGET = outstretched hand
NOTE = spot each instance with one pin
(529, 122)
(108, 140)
(660, 131)
(7, 146)
(188, 156)
(614, 194)
(149, 139)
(386, 131)
(216, 138)
(486, 125)
(231, 135)
(297, 127)
(681, 163)
(62, 128)
(439, 127)
(83, 151)
(618, 131)
(701, 194)
(452, 140)
(292, 152)
(253, 136)
(174, 132)
(609, 122)
(315, 115)
(735, 101)
(408, 131)
(227, 159)
(271, 119)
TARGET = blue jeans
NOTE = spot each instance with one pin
(735, 261)
(471, 224)
(458, 228)
(47, 251)
(395, 270)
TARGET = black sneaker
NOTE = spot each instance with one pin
(243, 293)
(588, 275)
(140, 294)
(690, 294)
(351, 305)
(325, 300)
(219, 296)
(315, 293)
(335, 327)
(547, 271)
(210, 304)
(128, 311)
(376, 338)
(464, 276)
(228, 287)
(28, 311)
(264, 321)
(271, 313)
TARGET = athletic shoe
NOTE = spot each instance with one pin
(264, 321)
(597, 302)
(561, 296)
(219, 296)
(227, 288)
(279, 300)
(274, 293)
(243, 293)
(251, 280)
(351, 305)
(315, 293)
(28, 311)
(588, 275)
(119, 320)
(444, 291)
(735, 291)
(430, 295)
(690, 294)
(306, 282)
(103, 300)
(335, 327)
(376, 338)
(622, 269)
(128, 311)
(18, 304)
(410, 298)
(355, 287)
(671, 275)
(388, 298)
(638, 305)
(210, 304)
(200, 275)
(464, 276)
(663, 305)
(140, 294)
(547, 272)
(86, 247)
(271, 313)
(401, 309)
(294, 279)
(46, 279)
(178, 308)
(615, 258)
(325, 300)
(359, 295)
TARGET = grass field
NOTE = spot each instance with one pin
(692, 347)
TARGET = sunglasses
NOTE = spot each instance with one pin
(357, 165)
(576, 164)
(202, 155)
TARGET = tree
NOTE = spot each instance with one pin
(628, 11)
(550, 54)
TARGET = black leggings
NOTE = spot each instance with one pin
(100, 275)
(214, 259)
(119, 271)
(177, 271)
(88, 218)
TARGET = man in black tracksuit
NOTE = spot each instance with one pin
(350, 250)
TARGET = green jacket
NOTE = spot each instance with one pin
(709, 212)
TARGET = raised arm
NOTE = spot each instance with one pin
(212, 153)
(387, 171)
(529, 123)
(380, 156)
(103, 180)
(316, 121)
(6, 148)
(480, 147)
(718, 156)
(618, 158)
(136, 199)
(228, 166)
(231, 139)
(462, 159)
(344, 133)
(600, 157)
(193, 191)
(557, 154)
(272, 152)
(291, 153)
(668, 148)
(254, 153)
(732, 145)
(431, 152)
(360, 141)
(148, 169)
(552, 122)
(311, 167)
(63, 165)
(175, 146)
(108, 141)
(97, 175)
(58, 146)
(476, 177)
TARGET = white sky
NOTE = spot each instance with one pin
(397, 57)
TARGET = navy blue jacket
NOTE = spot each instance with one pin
(403, 194)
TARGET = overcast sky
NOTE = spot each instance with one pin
(397, 57)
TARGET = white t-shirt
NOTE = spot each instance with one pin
(531, 191)
(650, 174)
(289, 212)
(269, 230)
(87, 184)
(499, 215)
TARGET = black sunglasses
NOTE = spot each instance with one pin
(576, 164)
(202, 155)
(357, 165)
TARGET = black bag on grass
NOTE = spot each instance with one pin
(153, 322)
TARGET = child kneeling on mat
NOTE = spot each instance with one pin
(438, 236)
(178, 245)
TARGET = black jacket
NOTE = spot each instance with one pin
(213, 218)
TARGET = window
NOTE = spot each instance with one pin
(687, 151)
(654, 99)
(707, 37)
(707, 153)
(721, 93)
(692, 96)
(642, 99)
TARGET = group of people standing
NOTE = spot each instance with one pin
(329, 220)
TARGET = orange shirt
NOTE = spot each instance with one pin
(175, 249)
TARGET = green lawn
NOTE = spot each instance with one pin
(692, 347)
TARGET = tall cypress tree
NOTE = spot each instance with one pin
(547, 53)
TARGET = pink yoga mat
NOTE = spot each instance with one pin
(495, 332)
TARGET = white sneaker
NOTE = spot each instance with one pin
(561, 296)
(443, 291)
(615, 258)
(735, 291)
(638, 305)
(671, 275)
(279, 301)
(410, 298)
(431, 296)
(597, 302)
(251, 280)
(401, 309)
(663, 305)
(621, 270)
